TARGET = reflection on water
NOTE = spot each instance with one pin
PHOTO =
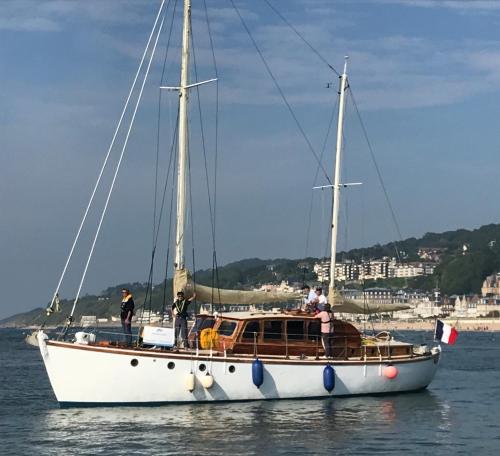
(254, 427)
(457, 415)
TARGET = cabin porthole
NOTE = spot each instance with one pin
(202, 367)
(171, 365)
(134, 362)
(232, 369)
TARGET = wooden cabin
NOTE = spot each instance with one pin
(279, 334)
(293, 333)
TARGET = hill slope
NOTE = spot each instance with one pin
(459, 272)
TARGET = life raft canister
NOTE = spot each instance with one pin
(329, 378)
(209, 338)
(258, 373)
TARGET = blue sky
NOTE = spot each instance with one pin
(425, 74)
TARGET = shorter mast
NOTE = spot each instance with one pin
(337, 184)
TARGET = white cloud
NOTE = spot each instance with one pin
(54, 15)
(464, 5)
(29, 24)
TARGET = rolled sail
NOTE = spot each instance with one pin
(184, 282)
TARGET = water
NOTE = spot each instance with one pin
(456, 415)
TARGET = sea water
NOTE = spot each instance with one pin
(458, 414)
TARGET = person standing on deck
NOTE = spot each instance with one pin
(326, 317)
(179, 309)
(309, 297)
(127, 311)
(320, 299)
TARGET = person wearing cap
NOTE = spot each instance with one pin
(309, 297)
(320, 300)
(127, 311)
(179, 309)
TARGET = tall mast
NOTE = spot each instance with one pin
(183, 138)
(337, 184)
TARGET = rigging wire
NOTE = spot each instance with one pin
(203, 143)
(170, 222)
(379, 174)
(191, 215)
(103, 213)
(323, 149)
(149, 290)
(278, 87)
(162, 78)
(124, 110)
(302, 38)
(215, 270)
(170, 168)
(211, 204)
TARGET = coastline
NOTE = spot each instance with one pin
(462, 325)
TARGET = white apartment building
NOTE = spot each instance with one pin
(372, 269)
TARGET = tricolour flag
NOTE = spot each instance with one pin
(445, 333)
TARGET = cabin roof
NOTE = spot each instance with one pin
(262, 314)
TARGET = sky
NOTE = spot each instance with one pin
(425, 75)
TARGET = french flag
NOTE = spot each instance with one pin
(445, 333)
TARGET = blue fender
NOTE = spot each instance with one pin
(257, 373)
(329, 378)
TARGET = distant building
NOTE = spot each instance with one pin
(491, 285)
(283, 287)
(431, 253)
(384, 268)
(88, 320)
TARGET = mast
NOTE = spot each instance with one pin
(337, 184)
(183, 139)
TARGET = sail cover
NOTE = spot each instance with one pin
(184, 282)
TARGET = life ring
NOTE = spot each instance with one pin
(209, 338)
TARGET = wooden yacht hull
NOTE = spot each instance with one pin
(91, 375)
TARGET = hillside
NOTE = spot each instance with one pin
(460, 272)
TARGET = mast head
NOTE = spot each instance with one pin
(346, 58)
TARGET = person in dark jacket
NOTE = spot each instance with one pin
(126, 313)
(179, 309)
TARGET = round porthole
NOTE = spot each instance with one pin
(171, 365)
(232, 369)
(134, 362)
(202, 367)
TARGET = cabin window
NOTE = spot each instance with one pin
(203, 323)
(295, 329)
(273, 329)
(314, 331)
(226, 328)
(251, 328)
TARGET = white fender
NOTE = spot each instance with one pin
(207, 381)
(190, 382)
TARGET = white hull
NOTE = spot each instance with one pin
(90, 375)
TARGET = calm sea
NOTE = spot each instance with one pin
(458, 414)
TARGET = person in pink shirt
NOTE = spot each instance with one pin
(326, 317)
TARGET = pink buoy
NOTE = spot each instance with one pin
(391, 372)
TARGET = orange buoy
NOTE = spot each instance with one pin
(391, 372)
